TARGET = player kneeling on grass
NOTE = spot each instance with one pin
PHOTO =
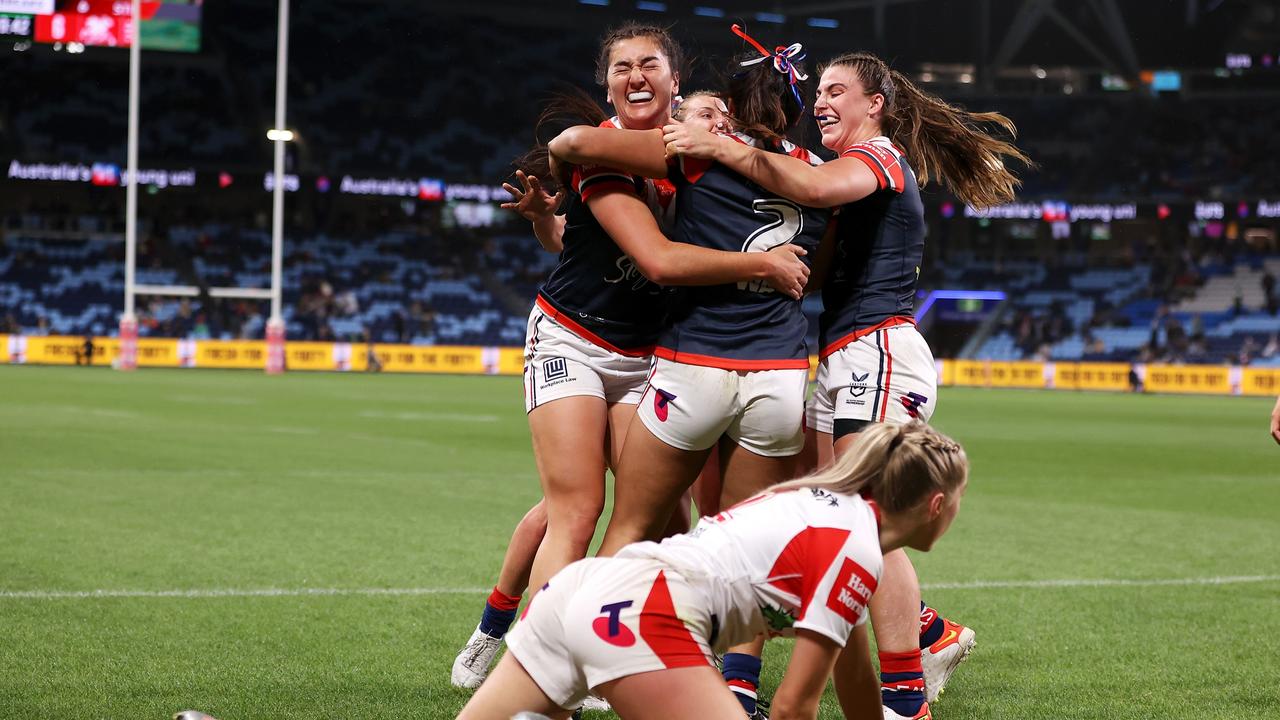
(801, 560)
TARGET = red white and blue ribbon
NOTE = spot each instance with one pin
(782, 57)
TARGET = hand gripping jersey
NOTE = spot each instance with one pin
(879, 246)
(596, 290)
(803, 559)
(746, 325)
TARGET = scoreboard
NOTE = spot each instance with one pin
(166, 24)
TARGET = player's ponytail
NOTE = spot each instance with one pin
(568, 107)
(943, 142)
(896, 465)
(766, 90)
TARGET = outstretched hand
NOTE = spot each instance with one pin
(531, 201)
(786, 273)
(690, 141)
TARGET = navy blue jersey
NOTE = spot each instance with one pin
(596, 290)
(745, 325)
(879, 245)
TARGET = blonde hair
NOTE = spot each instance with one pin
(896, 465)
(942, 141)
(682, 109)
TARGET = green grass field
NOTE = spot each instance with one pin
(1119, 556)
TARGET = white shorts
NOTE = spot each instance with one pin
(559, 363)
(690, 406)
(600, 619)
(885, 376)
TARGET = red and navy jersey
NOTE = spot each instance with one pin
(745, 325)
(596, 290)
(879, 246)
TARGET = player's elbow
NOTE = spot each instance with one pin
(656, 268)
(567, 145)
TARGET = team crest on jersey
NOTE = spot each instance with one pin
(859, 386)
(661, 402)
(912, 402)
(851, 591)
(825, 496)
(609, 627)
(777, 619)
(555, 369)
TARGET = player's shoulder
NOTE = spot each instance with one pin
(879, 147)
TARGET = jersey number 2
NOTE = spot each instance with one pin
(787, 223)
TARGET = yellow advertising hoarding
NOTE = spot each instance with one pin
(431, 359)
(1260, 381)
(463, 360)
(990, 373)
(1091, 376)
(1196, 379)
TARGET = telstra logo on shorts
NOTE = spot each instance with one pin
(852, 591)
(912, 402)
(610, 628)
(661, 400)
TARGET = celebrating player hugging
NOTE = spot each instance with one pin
(722, 364)
(801, 560)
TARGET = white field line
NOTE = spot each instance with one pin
(310, 592)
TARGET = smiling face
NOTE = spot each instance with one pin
(846, 114)
(641, 83)
(705, 111)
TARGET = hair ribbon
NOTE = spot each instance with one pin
(782, 58)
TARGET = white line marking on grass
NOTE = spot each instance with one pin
(323, 592)
(213, 399)
(286, 430)
(1098, 582)
(429, 416)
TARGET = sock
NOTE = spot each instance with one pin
(902, 682)
(931, 626)
(499, 613)
(742, 673)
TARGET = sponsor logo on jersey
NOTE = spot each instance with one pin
(555, 369)
(912, 402)
(609, 626)
(661, 402)
(628, 273)
(851, 592)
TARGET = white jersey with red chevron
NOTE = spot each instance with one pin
(805, 559)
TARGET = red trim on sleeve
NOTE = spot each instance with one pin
(884, 164)
(730, 363)
(891, 322)
(592, 180)
(586, 334)
(665, 633)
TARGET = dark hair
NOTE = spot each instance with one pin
(940, 140)
(761, 101)
(629, 30)
(567, 107)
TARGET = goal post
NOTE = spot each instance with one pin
(275, 327)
